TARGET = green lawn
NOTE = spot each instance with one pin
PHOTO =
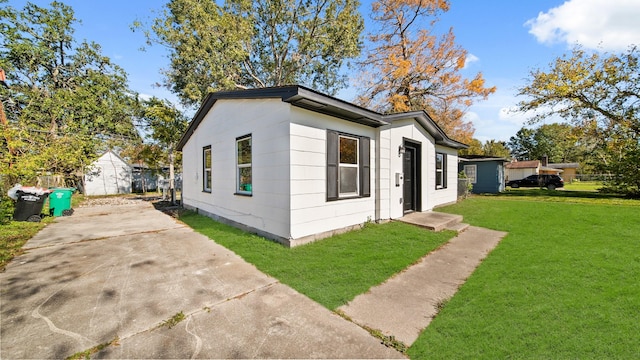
(583, 186)
(332, 271)
(564, 284)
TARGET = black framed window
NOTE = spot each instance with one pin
(348, 166)
(244, 183)
(206, 168)
(441, 171)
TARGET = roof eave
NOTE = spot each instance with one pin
(295, 95)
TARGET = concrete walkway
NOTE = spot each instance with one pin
(120, 275)
(405, 304)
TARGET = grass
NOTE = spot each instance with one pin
(332, 271)
(583, 185)
(563, 284)
(15, 234)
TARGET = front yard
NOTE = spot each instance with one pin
(563, 284)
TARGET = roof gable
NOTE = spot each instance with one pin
(110, 155)
(312, 100)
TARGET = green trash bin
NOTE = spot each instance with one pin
(60, 201)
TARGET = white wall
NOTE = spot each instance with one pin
(267, 121)
(517, 174)
(289, 197)
(311, 213)
(450, 194)
(108, 175)
(410, 129)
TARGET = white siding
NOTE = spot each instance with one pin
(431, 197)
(267, 121)
(311, 213)
(385, 176)
(450, 194)
(108, 175)
(289, 169)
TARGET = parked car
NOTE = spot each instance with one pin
(551, 182)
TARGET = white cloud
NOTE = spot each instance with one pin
(470, 59)
(595, 24)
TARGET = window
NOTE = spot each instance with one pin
(348, 169)
(243, 173)
(470, 172)
(348, 166)
(441, 171)
(206, 168)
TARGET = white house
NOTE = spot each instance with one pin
(108, 175)
(296, 165)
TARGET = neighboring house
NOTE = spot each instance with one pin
(145, 179)
(521, 169)
(296, 165)
(108, 175)
(486, 174)
(569, 170)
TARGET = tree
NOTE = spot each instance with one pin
(475, 148)
(491, 148)
(65, 102)
(166, 125)
(522, 145)
(558, 142)
(252, 44)
(600, 95)
(495, 148)
(412, 68)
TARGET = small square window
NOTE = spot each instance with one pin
(470, 172)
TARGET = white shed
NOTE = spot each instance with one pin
(296, 165)
(108, 175)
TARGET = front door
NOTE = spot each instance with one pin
(410, 179)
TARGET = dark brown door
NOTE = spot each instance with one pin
(410, 183)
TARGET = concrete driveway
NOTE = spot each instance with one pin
(116, 274)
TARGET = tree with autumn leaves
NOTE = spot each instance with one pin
(409, 67)
(599, 94)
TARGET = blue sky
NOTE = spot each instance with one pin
(506, 39)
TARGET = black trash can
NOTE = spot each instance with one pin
(29, 206)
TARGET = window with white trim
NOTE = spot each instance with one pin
(243, 165)
(206, 168)
(470, 172)
(348, 166)
(441, 171)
